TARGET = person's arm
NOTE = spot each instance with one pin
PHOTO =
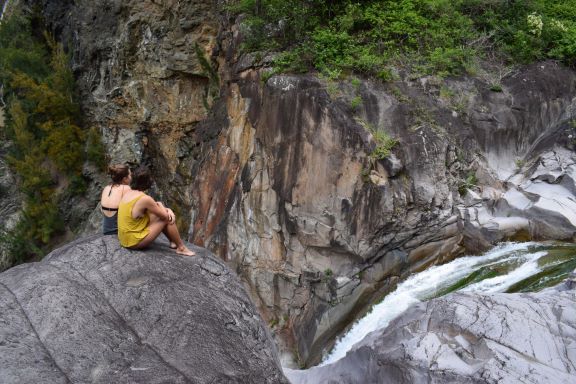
(102, 198)
(170, 212)
(157, 209)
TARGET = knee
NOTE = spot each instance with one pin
(154, 218)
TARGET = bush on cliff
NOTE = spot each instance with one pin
(426, 36)
(48, 144)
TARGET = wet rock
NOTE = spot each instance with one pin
(95, 312)
(465, 338)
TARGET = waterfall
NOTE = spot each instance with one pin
(506, 267)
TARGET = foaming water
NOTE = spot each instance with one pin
(516, 261)
(502, 283)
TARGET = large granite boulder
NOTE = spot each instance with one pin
(94, 312)
(466, 338)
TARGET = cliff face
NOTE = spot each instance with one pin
(9, 196)
(274, 174)
(145, 78)
(319, 229)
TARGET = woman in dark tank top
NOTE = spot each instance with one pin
(111, 196)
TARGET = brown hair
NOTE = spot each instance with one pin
(117, 172)
(141, 178)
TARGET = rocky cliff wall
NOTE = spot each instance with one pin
(146, 80)
(319, 229)
(275, 174)
(9, 196)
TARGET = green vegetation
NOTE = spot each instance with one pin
(356, 102)
(273, 323)
(365, 173)
(468, 183)
(426, 36)
(266, 76)
(496, 88)
(48, 144)
(95, 150)
(384, 144)
(211, 74)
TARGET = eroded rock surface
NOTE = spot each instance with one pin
(466, 338)
(319, 229)
(93, 312)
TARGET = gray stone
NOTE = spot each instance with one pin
(393, 165)
(94, 312)
(466, 338)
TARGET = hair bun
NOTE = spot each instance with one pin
(117, 172)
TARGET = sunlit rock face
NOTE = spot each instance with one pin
(145, 79)
(466, 338)
(275, 174)
(318, 229)
(94, 312)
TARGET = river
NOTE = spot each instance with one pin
(509, 267)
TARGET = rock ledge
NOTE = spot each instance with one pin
(94, 312)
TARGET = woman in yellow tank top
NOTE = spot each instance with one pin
(141, 219)
(133, 230)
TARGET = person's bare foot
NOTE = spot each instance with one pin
(173, 245)
(184, 251)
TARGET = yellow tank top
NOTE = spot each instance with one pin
(131, 231)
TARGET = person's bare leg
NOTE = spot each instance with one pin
(155, 228)
(171, 231)
(172, 244)
(153, 219)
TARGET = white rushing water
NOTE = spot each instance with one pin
(423, 285)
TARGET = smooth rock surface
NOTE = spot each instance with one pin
(466, 338)
(93, 312)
